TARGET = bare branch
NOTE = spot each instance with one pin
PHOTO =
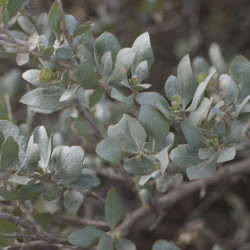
(40, 243)
(96, 132)
(168, 200)
(17, 221)
(87, 222)
(94, 195)
(37, 234)
(16, 235)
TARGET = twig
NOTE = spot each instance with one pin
(157, 221)
(55, 59)
(16, 235)
(12, 40)
(168, 200)
(8, 106)
(18, 221)
(94, 195)
(209, 201)
(104, 174)
(37, 234)
(31, 219)
(40, 243)
(127, 178)
(96, 132)
(84, 221)
(65, 30)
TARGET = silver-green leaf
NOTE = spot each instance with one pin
(44, 98)
(72, 201)
(106, 243)
(143, 51)
(155, 125)
(106, 64)
(198, 95)
(228, 89)
(139, 167)
(106, 42)
(173, 87)
(226, 154)
(110, 150)
(206, 169)
(124, 59)
(187, 79)
(184, 156)
(240, 70)
(86, 75)
(124, 244)
(67, 161)
(9, 153)
(86, 237)
(164, 245)
(113, 208)
(193, 137)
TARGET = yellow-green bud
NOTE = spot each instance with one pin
(213, 142)
(47, 75)
(134, 80)
(201, 78)
(41, 48)
(138, 157)
(176, 102)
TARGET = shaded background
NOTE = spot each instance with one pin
(176, 28)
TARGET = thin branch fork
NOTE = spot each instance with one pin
(30, 228)
(171, 198)
(87, 222)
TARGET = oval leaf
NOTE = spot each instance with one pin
(9, 153)
(44, 98)
(109, 150)
(86, 237)
(113, 208)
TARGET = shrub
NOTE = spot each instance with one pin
(93, 88)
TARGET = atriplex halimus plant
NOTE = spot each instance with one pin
(84, 78)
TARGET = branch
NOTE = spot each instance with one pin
(39, 243)
(168, 200)
(93, 195)
(16, 235)
(65, 31)
(87, 222)
(17, 221)
(36, 234)
(36, 226)
(96, 132)
(55, 59)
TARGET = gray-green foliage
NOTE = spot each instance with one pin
(113, 208)
(73, 74)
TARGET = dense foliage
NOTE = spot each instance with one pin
(94, 88)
